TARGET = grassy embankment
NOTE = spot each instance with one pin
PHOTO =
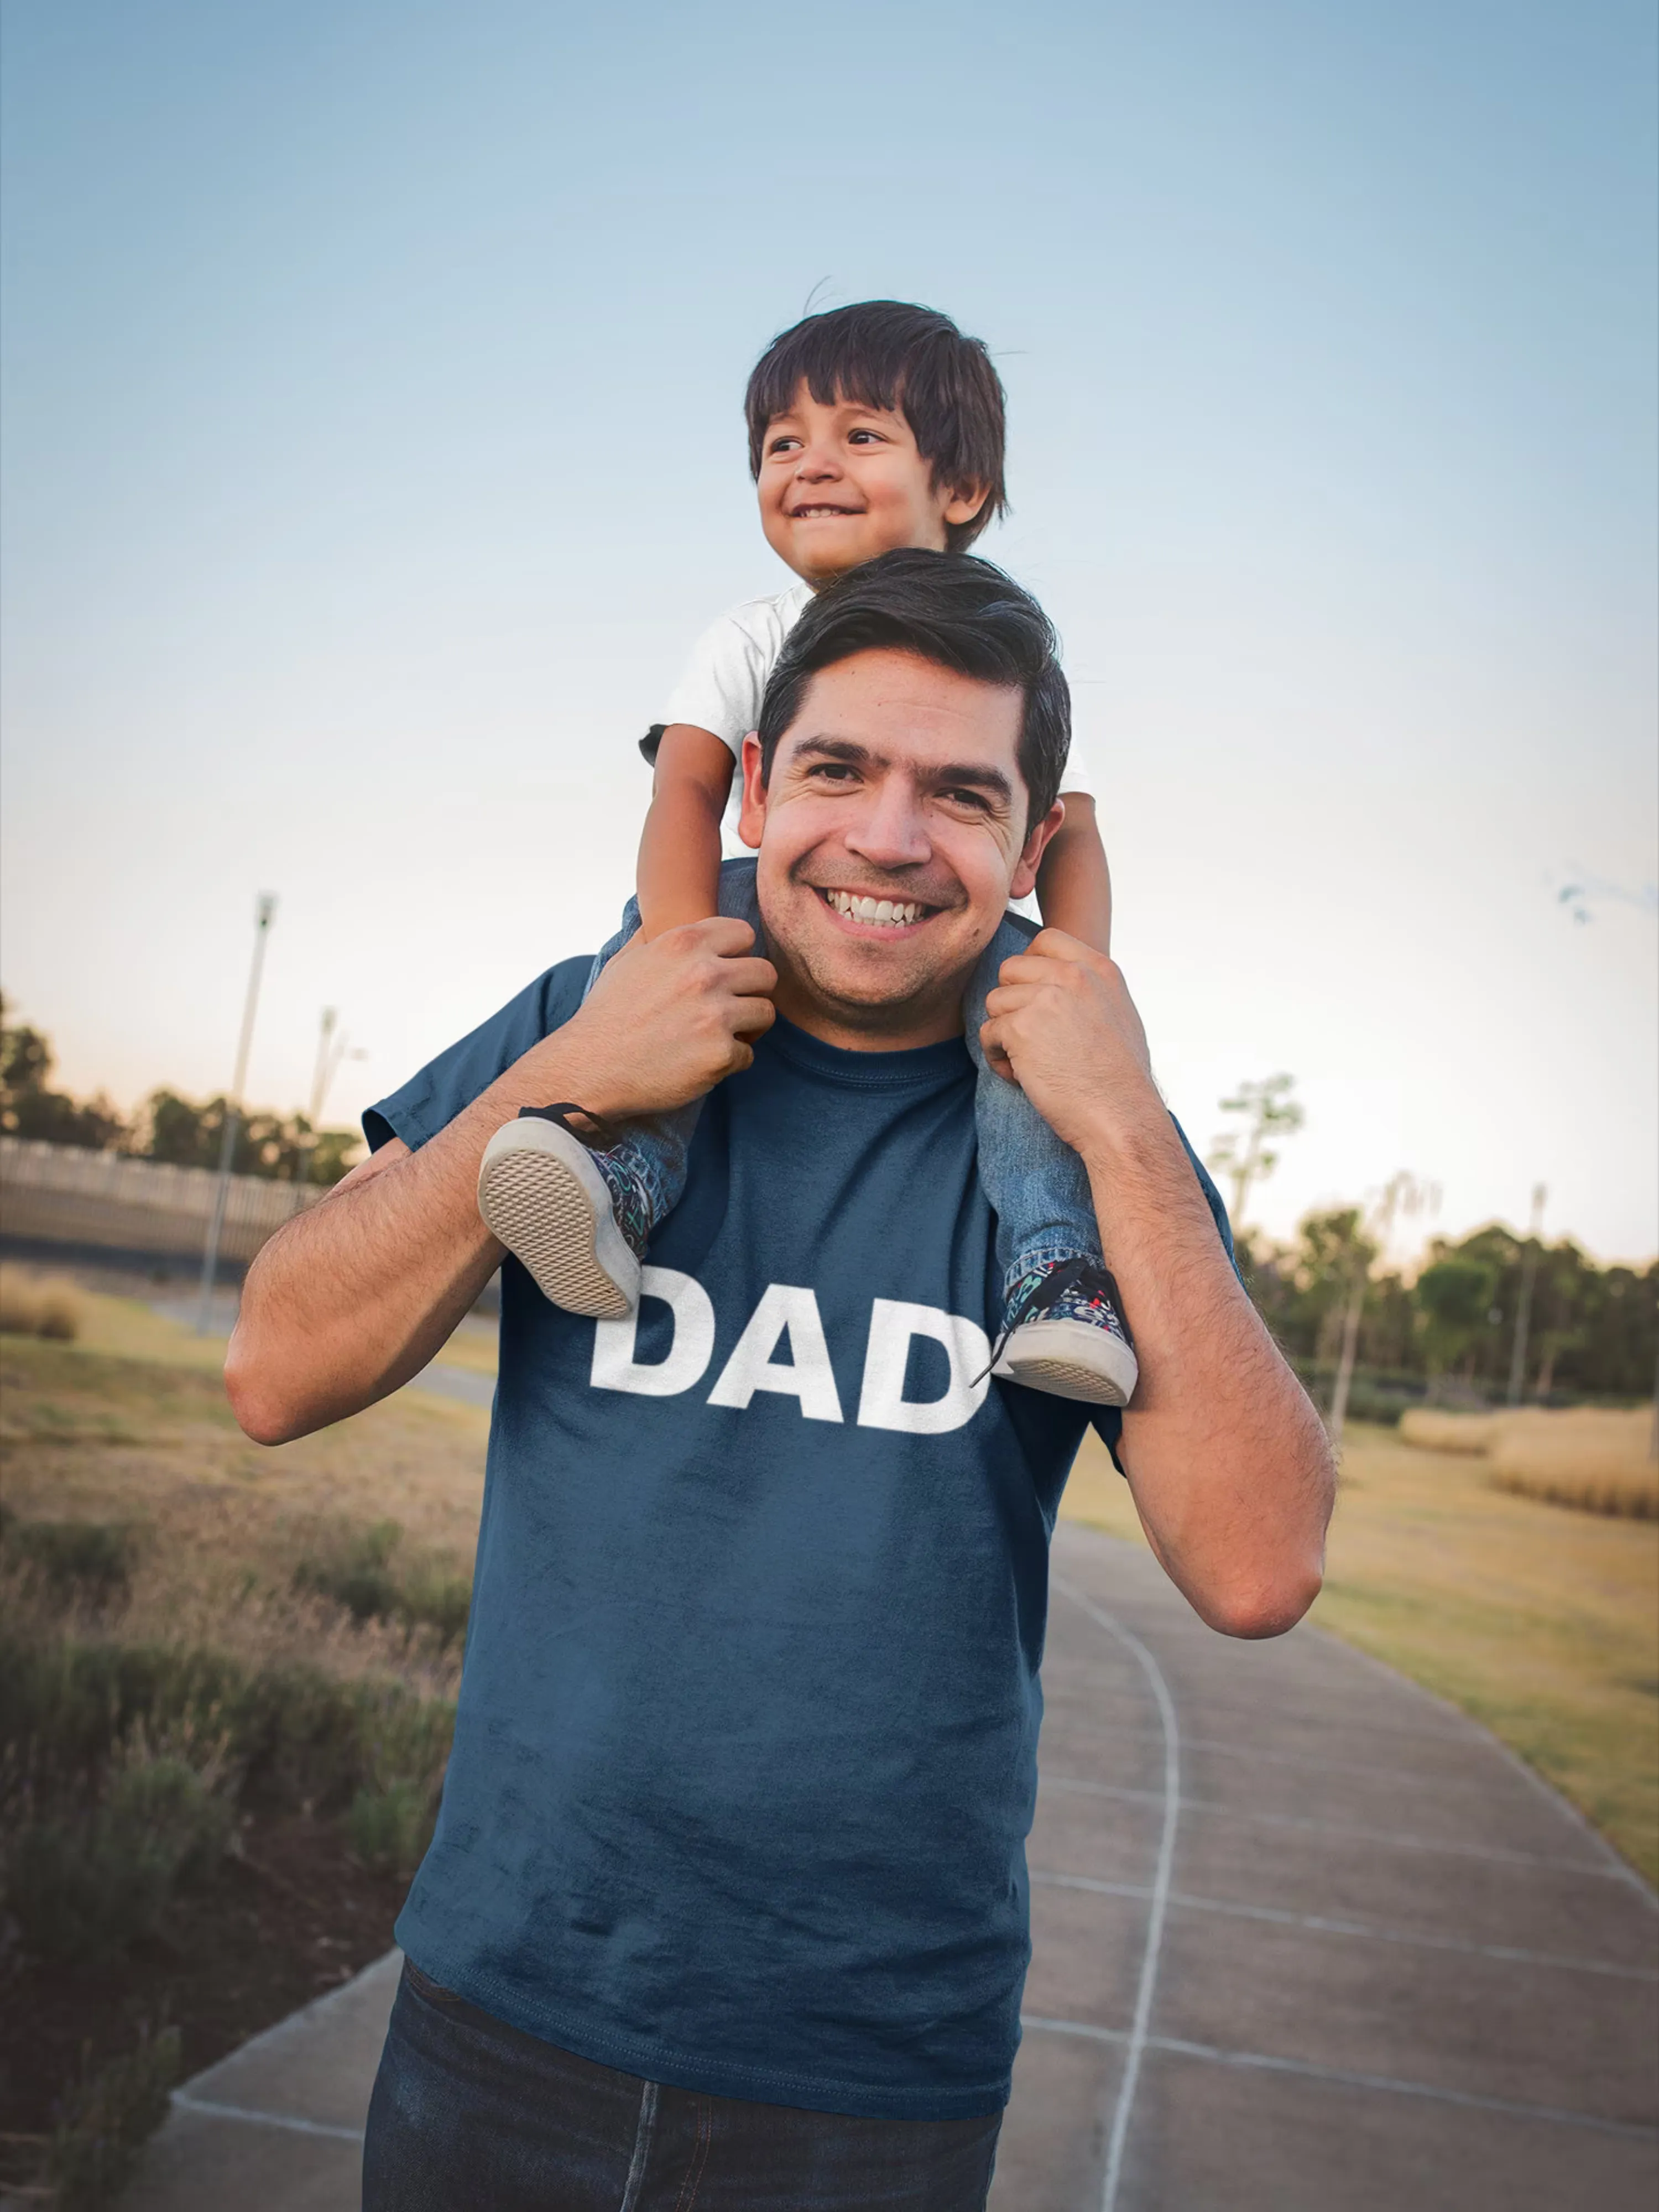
(1542, 1622)
(227, 1684)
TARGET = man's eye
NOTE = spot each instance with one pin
(960, 798)
(834, 771)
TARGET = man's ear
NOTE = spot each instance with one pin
(751, 820)
(1023, 882)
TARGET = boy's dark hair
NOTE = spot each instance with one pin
(882, 353)
(954, 610)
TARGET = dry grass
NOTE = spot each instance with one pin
(148, 1443)
(1589, 1458)
(38, 1305)
(1543, 1625)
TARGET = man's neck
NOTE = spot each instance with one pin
(895, 1027)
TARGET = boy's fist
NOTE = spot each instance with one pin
(1062, 1025)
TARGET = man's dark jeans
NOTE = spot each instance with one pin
(469, 2113)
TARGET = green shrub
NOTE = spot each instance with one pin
(440, 1601)
(92, 1556)
(85, 1882)
(104, 2120)
(354, 1571)
(390, 1829)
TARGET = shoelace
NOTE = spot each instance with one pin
(603, 1139)
(1050, 1289)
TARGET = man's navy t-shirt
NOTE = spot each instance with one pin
(747, 1749)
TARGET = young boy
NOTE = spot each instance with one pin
(871, 427)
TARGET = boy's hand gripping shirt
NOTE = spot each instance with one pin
(747, 1749)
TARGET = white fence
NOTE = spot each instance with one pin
(62, 1194)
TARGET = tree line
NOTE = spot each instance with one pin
(1449, 1329)
(181, 1131)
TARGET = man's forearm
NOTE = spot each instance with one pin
(354, 1297)
(1227, 1460)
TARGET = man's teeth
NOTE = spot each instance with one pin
(898, 914)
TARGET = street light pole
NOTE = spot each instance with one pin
(328, 1058)
(264, 908)
(1523, 1309)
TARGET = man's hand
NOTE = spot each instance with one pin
(1062, 1024)
(666, 1020)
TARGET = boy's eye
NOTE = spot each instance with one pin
(782, 442)
(865, 437)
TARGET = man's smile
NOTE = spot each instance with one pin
(864, 910)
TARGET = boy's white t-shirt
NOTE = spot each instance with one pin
(720, 688)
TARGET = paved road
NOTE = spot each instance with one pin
(1304, 1940)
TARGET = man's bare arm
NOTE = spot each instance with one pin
(1227, 1460)
(353, 1298)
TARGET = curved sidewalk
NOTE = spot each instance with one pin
(1305, 1940)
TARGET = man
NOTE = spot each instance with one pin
(726, 1904)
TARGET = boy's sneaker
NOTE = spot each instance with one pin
(1067, 1335)
(571, 1214)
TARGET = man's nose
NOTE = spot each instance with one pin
(888, 830)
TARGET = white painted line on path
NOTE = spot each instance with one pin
(217, 2111)
(1178, 2048)
(1340, 1828)
(1320, 1925)
(1160, 1894)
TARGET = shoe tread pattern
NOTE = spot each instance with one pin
(533, 1203)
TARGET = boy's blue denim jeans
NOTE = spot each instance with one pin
(470, 2115)
(1035, 1185)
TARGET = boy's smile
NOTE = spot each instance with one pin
(842, 482)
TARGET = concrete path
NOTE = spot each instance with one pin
(1305, 1941)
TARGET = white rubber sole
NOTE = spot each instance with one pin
(1071, 1359)
(540, 1193)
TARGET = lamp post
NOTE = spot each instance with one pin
(1523, 1308)
(264, 908)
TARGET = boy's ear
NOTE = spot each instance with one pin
(966, 500)
(751, 820)
(1023, 882)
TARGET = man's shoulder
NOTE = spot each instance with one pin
(448, 1083)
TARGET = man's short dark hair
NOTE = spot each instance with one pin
(882, 353)
(954, 610)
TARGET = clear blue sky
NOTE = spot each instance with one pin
(373, 452)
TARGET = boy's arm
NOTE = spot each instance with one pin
(679, 862)
(1074, 883)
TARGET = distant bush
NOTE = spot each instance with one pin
(1589, 1459)
(31, 1305)
(105, 2119)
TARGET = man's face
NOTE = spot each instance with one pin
(840, 483)
(891, 836)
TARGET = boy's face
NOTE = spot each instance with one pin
(841, 482)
